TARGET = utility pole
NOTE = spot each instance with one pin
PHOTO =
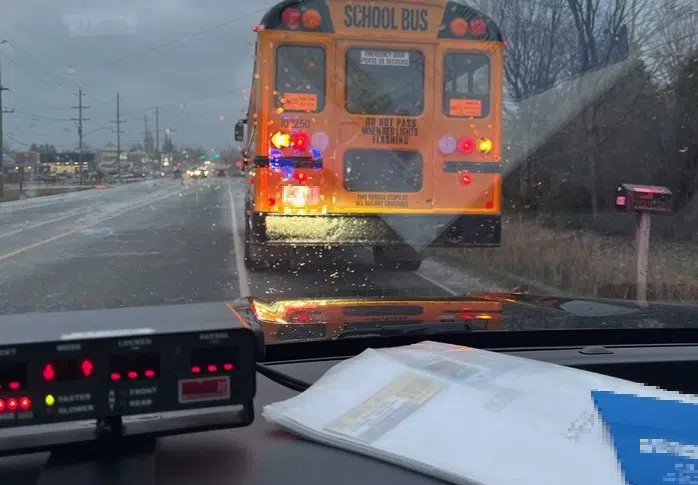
(80, 120)
(118, 122)
(145, 132)
(2, 135)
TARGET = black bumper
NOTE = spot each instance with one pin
(442, 230)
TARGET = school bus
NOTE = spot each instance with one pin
(373, 124)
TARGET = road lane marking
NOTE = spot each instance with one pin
(85, 226)
(34, 226)
(243, 280)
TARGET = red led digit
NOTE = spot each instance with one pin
(196, 369)
(14, 385)
(149, 373)
(212, 368)
(25, 403)
(132, 374)
(115, 376)
(12, 404)
(86, 367)
(227, 366)
(2, 405)
(48, 372)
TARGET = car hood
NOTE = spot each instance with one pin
(314, 318)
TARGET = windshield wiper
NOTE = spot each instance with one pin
(410, 329)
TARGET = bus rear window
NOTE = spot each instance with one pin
(467, 84)
(385, 82)
(300, 78)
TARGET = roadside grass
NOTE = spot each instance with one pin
(583, 263)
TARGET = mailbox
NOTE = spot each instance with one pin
(644, 198)
(240, 130)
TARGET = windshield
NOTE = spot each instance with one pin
(186, 152)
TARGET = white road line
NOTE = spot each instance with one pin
(243, 281)
(440, 285)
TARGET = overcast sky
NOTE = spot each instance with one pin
(191, 58)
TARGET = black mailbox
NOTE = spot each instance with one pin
(240, 130)
(644, 198)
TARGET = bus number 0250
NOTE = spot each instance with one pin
(299, 124)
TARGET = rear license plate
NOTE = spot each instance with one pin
(301, 195)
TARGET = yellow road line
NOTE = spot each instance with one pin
(76, 229)
(26, 228)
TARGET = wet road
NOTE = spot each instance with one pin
(155, 243)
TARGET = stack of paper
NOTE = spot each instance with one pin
(468, 416)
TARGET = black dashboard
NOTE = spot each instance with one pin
(262, 455)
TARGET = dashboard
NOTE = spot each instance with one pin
(260, 454)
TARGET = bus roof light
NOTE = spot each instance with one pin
(291, 17)
(311, 19)
(478, 27)
(458, 27)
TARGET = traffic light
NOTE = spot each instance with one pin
(186, 156)
(203, 157)
(218, 155)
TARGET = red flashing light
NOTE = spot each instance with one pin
(48, 372)
(228, 367)
(300, 140)
(132, 374)
(291, 18)
(12, 404)
(300, 177)
(14, 385)
(25, 403)
(115, 376)
(478, 27)
(196, 369)
(212, 368)
(466, 144)
(149, 373)
(86, 368)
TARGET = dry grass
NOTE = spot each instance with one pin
(586, 264)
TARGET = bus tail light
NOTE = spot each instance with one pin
(300, 140)
(291, 17)
(458, 27)
(465, 178)
(280, 140)
(484, 145)
(466, 144)
(311, 19)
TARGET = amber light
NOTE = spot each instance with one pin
(281, 140)
(458, 27)
(485, 145)
(311, 19)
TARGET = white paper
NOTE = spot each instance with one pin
(463, 415)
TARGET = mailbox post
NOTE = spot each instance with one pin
(643, 200)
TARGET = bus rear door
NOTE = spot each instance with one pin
(384, 135)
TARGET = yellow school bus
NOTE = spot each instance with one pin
(373, 124)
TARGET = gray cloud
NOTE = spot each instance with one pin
(190, 58)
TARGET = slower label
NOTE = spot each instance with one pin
(385, 58)
(387, 408)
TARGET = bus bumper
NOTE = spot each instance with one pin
(418, 231)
